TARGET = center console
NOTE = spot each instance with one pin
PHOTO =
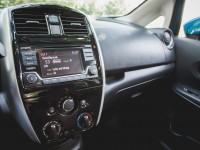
(59, 71)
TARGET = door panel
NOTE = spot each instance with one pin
(187, 85)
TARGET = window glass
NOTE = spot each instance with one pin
(158, 22)
(191, 11)
(90, 7)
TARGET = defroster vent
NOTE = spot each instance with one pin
(74, 25)
(30, 23)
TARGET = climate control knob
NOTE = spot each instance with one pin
(52, 130)
(85, 121)
(68, 105)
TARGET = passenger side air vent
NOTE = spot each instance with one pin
(168, 38)
(30, 23)
(74, 25)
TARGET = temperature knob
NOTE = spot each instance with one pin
(85, 121)
(52, 130)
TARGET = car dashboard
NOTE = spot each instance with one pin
(62, 68)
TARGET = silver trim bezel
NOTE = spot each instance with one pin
(102, 68)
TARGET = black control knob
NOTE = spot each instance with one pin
(85, 121)
(93, 70)
(68, 105)
(31, 78)
(52, 130)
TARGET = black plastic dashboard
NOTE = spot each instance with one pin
(51, 109)
(130, 47)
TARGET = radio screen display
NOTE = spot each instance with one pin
(60, 63)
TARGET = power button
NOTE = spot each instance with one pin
(31, 78)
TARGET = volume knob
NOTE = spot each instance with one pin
(31, 78)
(93, 70)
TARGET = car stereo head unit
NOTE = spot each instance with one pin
(60, 63)
(45, 66)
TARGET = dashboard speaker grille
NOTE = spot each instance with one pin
(28, 23)
(74, 25)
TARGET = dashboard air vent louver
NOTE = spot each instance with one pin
(30, 23)
(168, 38)
(74, 25)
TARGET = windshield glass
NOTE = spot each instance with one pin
(90, 7)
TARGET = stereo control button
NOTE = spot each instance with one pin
(29, 53)
(83, 76)
(93, 70)
(29, 58)
(30, 68)
(61, 80)
(54, 81)
(31, 78)
(30, 63)
(70, 78)
(89, 58)
(25, 48)
(77, 77)
(46, 82)
(87, 50)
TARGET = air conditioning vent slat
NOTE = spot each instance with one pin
(26, 23)
(69, 21)
(19, 24)
(74, 25)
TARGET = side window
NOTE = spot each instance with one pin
(158, 22)
(190, 26)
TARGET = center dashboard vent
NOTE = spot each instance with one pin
(74, 25)
(30, 23)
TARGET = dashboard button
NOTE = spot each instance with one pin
(77, 77)
(46, 82)
(25, 48)
(88, 54)
(31, 78)
(30, 68)
(29, 58)
(93, 70)
(89, 58)
(54, 81)
(88, 46)
(84, 104)
(70, 78)
(87, 50)
(51, 110)
(83, 76)
(61, 80)
(30, 63)
(29, 53)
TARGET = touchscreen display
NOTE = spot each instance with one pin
(60, 63)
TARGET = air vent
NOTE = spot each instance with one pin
(168, 39)
(31, 24)
(74, 25)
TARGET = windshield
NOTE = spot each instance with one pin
(90, 7)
